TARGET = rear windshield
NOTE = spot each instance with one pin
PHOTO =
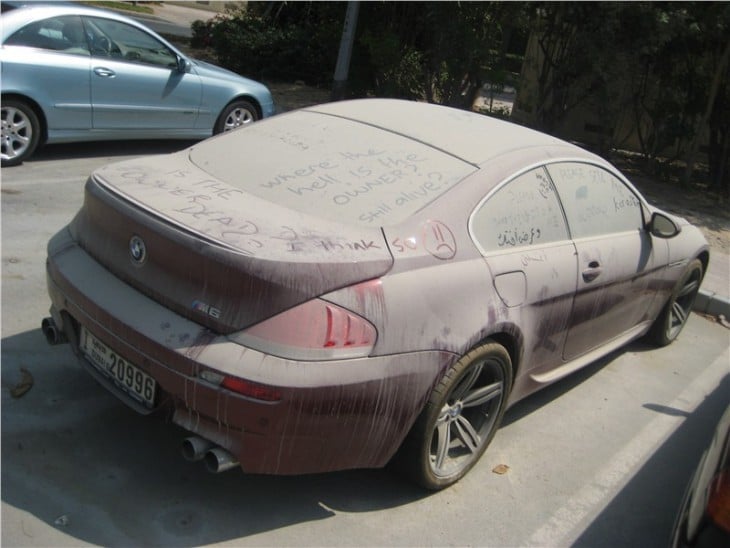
(331, 167)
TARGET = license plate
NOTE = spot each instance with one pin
(125, 375)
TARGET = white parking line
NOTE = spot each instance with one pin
(562, 528)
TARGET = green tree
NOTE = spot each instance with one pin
(277, 40)
(442, 52)
(713, 28)
(438, 51)
(666, 63)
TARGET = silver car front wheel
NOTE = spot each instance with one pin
(20, 132)
(235, 115)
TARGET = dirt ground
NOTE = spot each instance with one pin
(297, 95)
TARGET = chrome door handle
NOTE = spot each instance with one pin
(104, 72)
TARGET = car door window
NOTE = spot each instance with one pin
(615, 256)
(523, 212)
(124, 42)
(596, 202)
(64, 34)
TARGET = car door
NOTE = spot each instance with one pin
(521, 232)
(49, 61)
(135, 81)
(616, 255)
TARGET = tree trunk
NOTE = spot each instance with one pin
(339, 85)
(717, 78)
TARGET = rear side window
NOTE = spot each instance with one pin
(523, 212)
(596, 202)
(64, 34)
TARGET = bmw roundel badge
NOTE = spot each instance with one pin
(137, 250)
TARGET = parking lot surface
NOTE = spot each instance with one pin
(598, 459)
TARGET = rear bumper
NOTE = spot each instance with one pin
(331, 415)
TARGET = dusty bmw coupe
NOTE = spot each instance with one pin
(346, 283)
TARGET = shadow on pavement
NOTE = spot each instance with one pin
(655, 491)
(80, 461)
(553, 391)
(67, 151)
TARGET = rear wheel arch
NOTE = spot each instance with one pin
(23, 130)
(465, 407)
(508, 336)
(512, 343)
(36, 109)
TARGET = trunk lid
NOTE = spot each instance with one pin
(247, 224)
(214, 253)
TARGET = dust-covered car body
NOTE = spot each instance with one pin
(379, 275)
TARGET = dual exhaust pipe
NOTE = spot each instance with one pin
(53, 334)
(194, 449)
(216, 458)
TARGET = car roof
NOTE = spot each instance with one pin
(469, 136)
(17, 18)
(372, 160)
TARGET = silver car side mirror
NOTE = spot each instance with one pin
(183, 65)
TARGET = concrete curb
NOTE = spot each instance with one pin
(709, 302)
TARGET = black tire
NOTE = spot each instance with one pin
(673, 316)
(460, 418)
(236, 114)
(21, 132)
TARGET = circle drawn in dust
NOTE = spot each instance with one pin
(439, 240)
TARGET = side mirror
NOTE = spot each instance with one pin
(662, 226)
(183, 65)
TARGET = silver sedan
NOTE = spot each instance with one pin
(73, 73)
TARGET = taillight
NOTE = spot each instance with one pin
(718, 504)
(315, 330)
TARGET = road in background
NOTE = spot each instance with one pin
(172, 19)
(598, 459)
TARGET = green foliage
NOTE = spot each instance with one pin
(438, 51)
(659, 63)
(296, 41)
(655, 60)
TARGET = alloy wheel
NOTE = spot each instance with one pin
(467, 419)
(17, 133)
